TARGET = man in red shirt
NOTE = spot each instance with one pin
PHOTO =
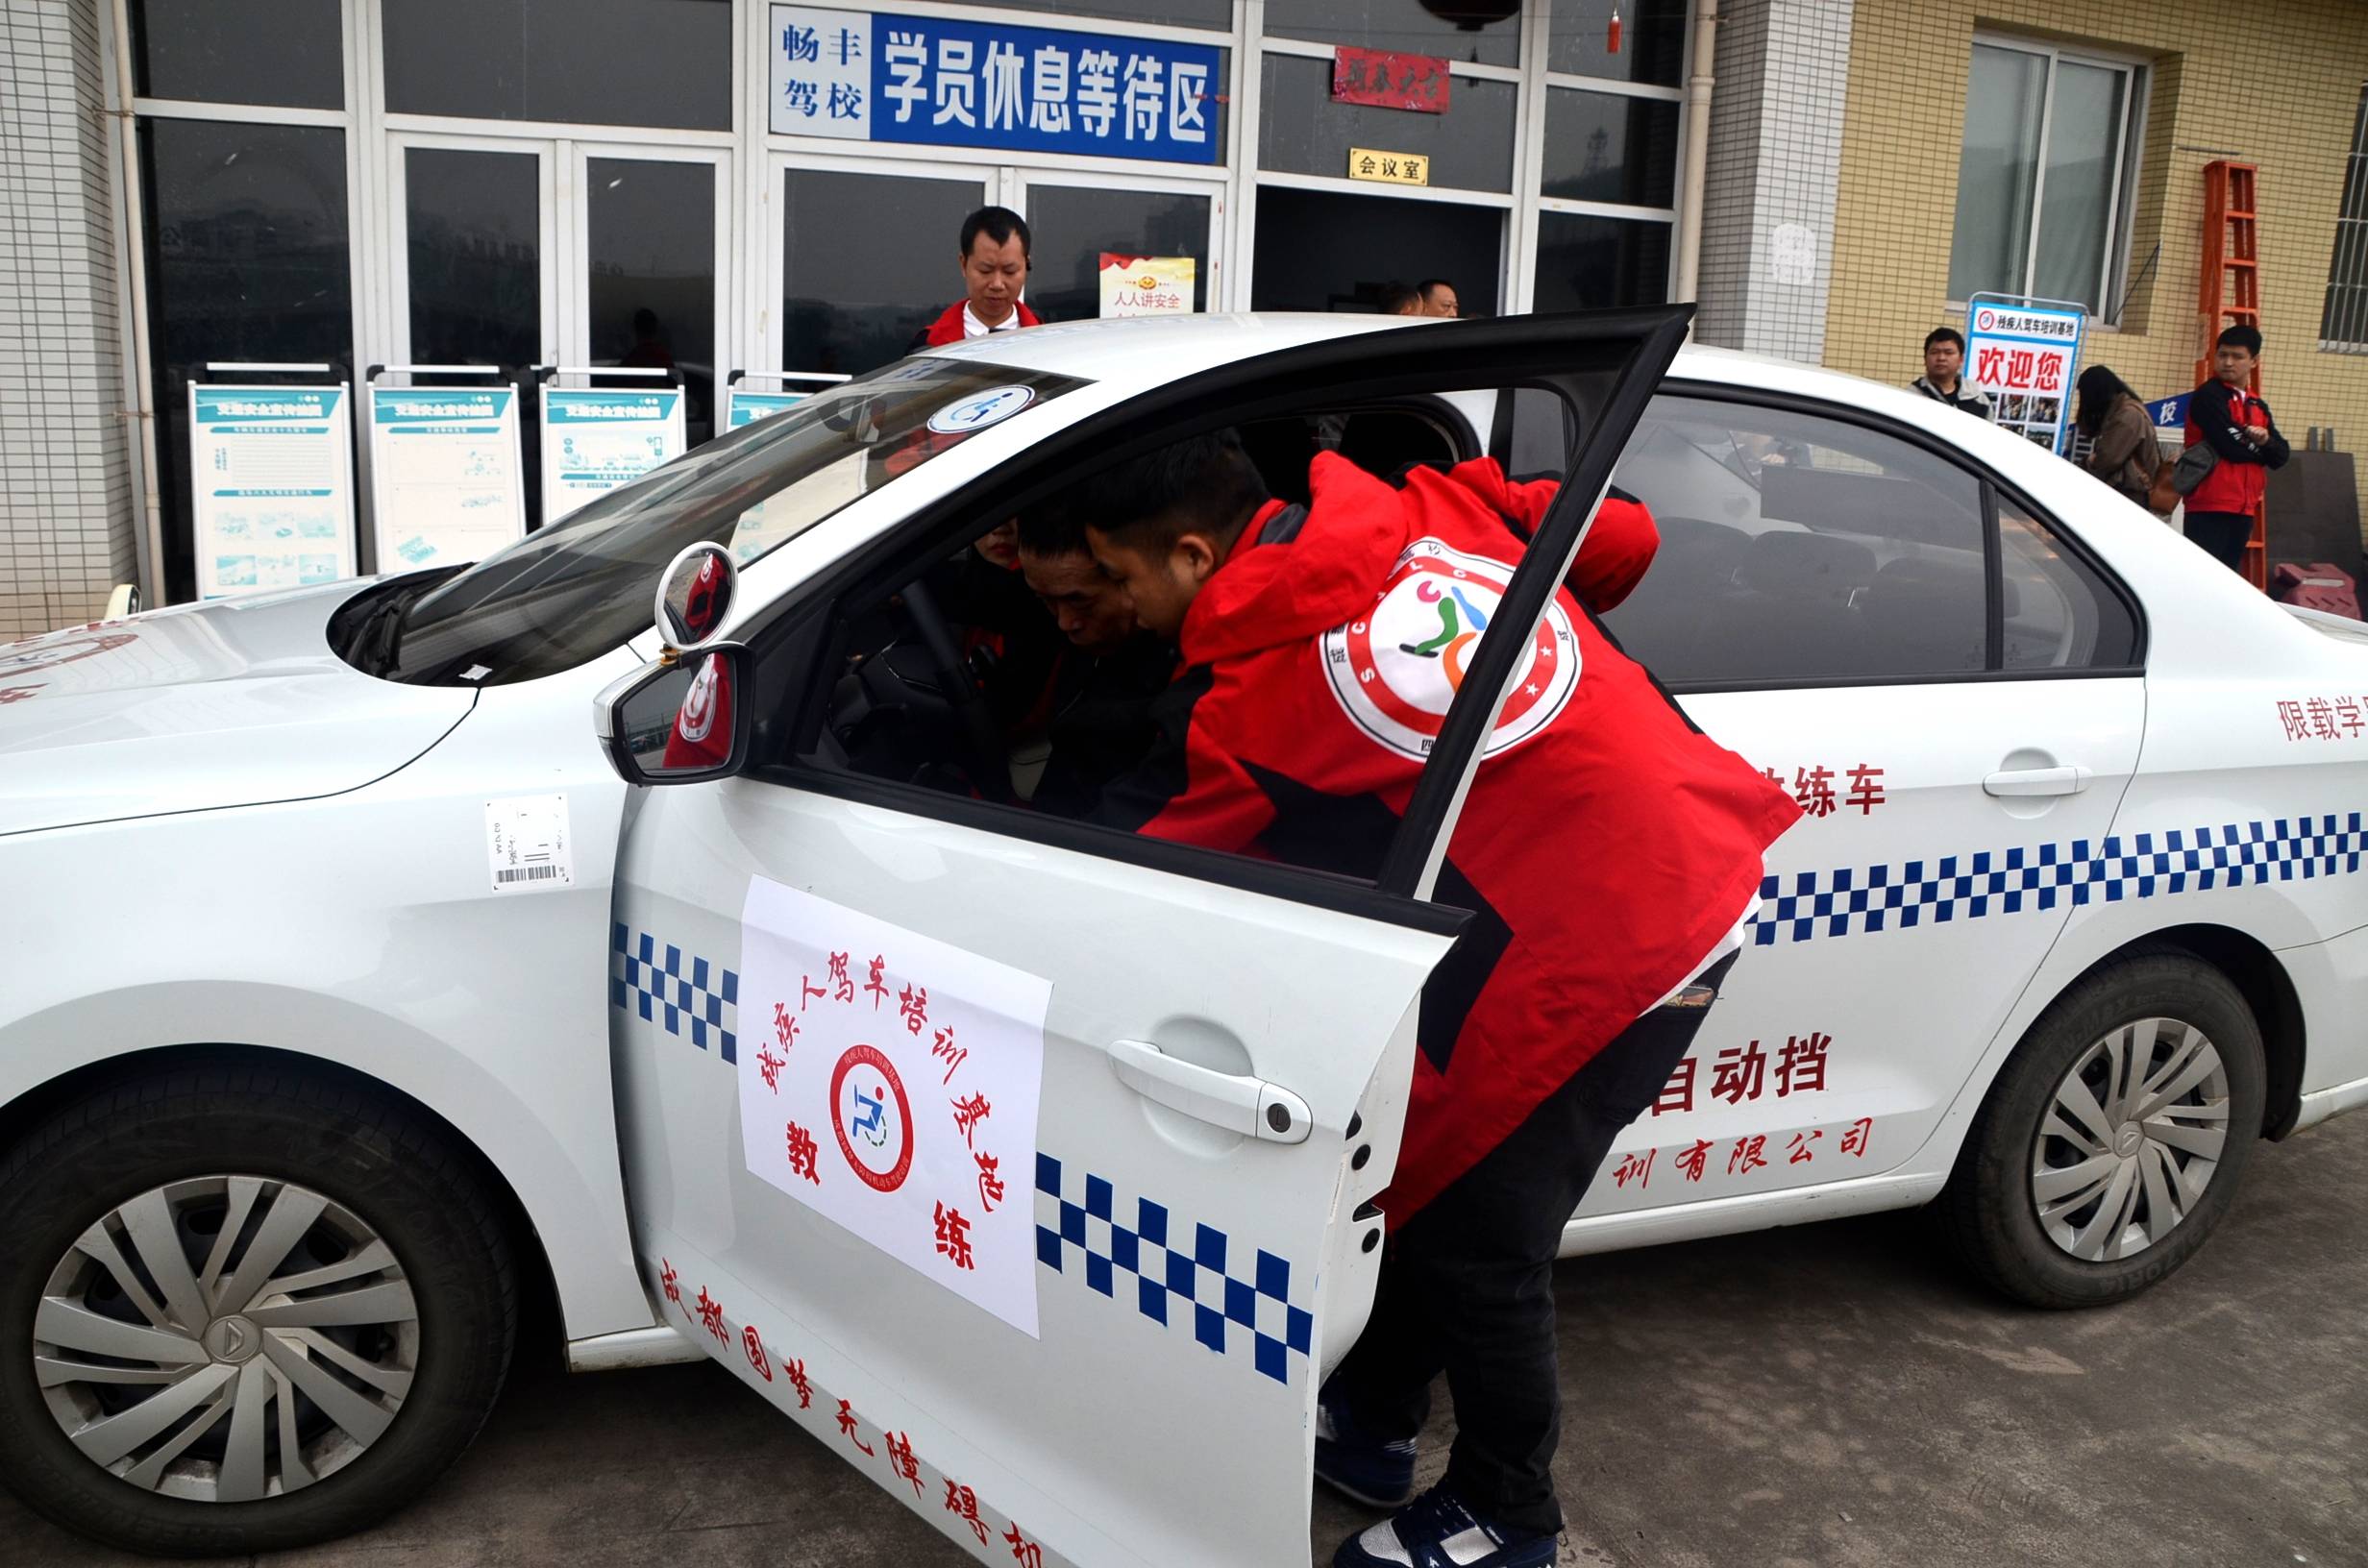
(995, 263)
(1610, 854)
(2224, 415)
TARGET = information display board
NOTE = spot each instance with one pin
(742, 406)
(597, 438)
(2023, 356)
(271, 485)
(444, 475)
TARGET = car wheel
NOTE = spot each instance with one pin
(242, 1311)
(2113, 1140)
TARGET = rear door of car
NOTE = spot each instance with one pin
(1951, 690)
(1133, 1100)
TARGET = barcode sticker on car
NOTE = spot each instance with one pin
(527, 845)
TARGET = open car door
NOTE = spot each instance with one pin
(1029, 1165)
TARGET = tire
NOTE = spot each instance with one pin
(2027, 1206)
(382, 1391)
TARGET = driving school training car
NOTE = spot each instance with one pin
(356, 984)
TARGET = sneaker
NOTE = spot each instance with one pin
(1437, 1531)
(1360, 1466)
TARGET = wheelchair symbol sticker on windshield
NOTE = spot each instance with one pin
(981, 409)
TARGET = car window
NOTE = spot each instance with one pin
(2057, 612)
(1799, 548)
(579, 588)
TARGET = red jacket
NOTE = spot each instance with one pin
(948, 328)
(2217, 413)
(1606, 846)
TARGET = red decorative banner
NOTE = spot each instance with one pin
(1383, 80)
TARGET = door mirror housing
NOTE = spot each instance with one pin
(695, 596)
(680, 721)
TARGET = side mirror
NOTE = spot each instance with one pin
(695, 596)
(680, 721)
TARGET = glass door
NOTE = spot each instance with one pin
(475, 268)
(650, 257)
(1076, 218)
(865, 255)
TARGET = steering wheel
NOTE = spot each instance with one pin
(983, 755)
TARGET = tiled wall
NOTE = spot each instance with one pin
(2276, 84)
(1776, 117)
(65, 492)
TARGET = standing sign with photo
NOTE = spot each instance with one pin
(2023, 356)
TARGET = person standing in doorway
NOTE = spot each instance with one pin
(994, 262)
(1439, 298)
(1943, 377)
(2224, 415)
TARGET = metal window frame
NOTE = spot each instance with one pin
(2343, 325)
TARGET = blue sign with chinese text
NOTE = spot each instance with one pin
(873, 76)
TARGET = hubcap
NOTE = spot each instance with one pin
(226, 1339)
(2130, 1139)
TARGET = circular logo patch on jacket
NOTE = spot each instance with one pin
(1396, 670)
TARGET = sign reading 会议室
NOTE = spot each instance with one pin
(1390, 168)
(875, 76)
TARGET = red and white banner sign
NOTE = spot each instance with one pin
(889, 1082)
(1382, 80)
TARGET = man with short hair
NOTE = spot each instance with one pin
(995, 263)
(1438, 296)
(1610, 853)
(1402, 300)
(2225, 415)
(1097, 705)
(1943, 377)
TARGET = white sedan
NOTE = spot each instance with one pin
(360, 979)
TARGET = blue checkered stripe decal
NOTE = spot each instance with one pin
(693, 999)
(1174, 1274)
(1853, 902)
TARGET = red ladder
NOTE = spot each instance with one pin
(2231, 296)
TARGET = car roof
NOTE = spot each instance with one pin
(1148, 351)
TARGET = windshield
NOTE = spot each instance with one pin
(583, 586)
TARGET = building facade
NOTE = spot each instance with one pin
(740, 185)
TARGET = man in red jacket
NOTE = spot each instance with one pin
(2223, 414)
(995, 263)
(1609, 852)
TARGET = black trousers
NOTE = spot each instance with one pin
(2223, 535)
(1467, 1286)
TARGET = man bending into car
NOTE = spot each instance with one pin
(1609, 852)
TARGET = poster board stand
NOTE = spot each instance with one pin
(2024, 354)
(445, 486)
(598, 438)
(745, 404)
(271, 477)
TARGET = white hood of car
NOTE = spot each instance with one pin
(239, 702)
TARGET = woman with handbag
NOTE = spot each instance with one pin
(2121, 435)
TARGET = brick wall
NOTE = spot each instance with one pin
(1769, 186)
(67, 515)
(2274, 84)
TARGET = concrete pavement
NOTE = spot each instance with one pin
(1837, 1394)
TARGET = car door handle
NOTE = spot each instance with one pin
(2031, 781)
(1249, 1105)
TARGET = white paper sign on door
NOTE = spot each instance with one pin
(271, 481)
(598, 438)
(444, 473)
(889, 1082)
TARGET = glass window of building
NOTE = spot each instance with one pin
(1587, 262)
(650, 233)
(2043, 177)
(1215, 15)
(656, 62)
(1074, 224)
(1326, 250)
(2344, 323)
(285, 53)
(1652, 42)
(1304, 132)
(1480, 32)
(247, 259)
(473, 240)
(868, 262)
(1603, 147)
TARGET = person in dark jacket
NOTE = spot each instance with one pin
(1943, 379)
(1610, 853)
(2122, 450)
(2225, 415)
(995, 264)
(1098, 708)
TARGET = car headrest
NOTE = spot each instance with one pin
(1805, 566)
